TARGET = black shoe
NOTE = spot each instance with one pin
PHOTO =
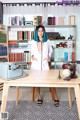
(56, 103)
(39, 102)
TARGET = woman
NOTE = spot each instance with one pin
(41, 53)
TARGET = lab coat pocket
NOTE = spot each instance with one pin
(45, 65)
(34, 65)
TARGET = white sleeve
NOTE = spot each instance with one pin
(32, 48)
(50, 50)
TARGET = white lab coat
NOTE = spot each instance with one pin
(47, 50)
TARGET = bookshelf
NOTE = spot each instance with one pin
(64, 49)
(3, 47)
(19, 42)
(19, 31)
(3, 43)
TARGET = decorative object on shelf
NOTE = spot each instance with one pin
(60, 37)
(28, 23)
(70, 37)
(70, 43)
(54, 36)
(65, 56)
(73, 56)
(72, 20)
(61, 44)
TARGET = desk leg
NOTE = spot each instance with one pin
(33, 93)
(70, 97)
(77, 94)
(17, 95)
(4, 97)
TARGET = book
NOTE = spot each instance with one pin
(60, 21)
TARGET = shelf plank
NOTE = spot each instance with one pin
(3, 56)
(15, 26)
(63, 47)
(23, 62)
(2, 26)
(63, 40)
(20, 40)
(3, 31)
(32, 26)
(59, 26)
(4, 44)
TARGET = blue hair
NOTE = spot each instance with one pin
(36, 38)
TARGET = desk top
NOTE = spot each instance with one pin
(42, 77)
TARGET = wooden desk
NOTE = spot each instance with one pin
(41, 79)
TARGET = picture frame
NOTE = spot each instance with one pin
(72, 20)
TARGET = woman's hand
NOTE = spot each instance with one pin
(47, 58)
(33, 58)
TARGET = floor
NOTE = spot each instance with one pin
(28, 110)
(25, 94)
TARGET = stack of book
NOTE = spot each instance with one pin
(51, 20)
(37, 20)
(21, 35)
(55, 20)
(20, 57)
(3, 50)
(2, 37)
(17, 21)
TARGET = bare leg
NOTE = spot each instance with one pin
(38, 92)
(33, 93)
(39, 101)
(54, 93)
(54, 97)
